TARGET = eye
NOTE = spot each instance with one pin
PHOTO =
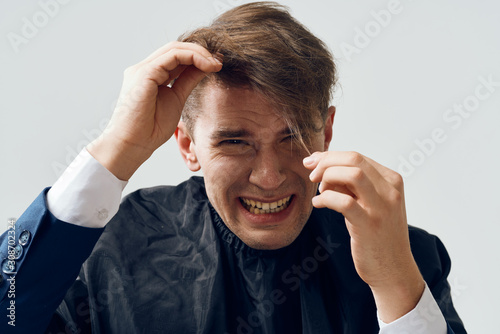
(291, 137)
(235, 147)
(232, 142)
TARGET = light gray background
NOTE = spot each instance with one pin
(58, 89)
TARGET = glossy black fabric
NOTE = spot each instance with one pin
(166, 263)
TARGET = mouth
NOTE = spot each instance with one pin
(258, 207)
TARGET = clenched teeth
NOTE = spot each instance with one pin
(257, 207)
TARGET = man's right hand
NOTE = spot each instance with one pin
(148, 110)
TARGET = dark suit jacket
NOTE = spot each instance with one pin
(166, 262)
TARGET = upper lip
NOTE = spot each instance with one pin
(266, 200)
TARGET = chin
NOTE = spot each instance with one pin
(271, 239)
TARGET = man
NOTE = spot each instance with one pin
(255, 246)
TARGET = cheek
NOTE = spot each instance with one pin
(302, 173)
(292, 160)
(221, 167)
(224, 176)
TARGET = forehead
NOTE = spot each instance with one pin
(237, 108)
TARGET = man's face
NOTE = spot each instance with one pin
(253, 170)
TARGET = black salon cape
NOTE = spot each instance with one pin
(166, 263)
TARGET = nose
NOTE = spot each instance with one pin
(267, 170)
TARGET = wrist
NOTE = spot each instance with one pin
(120, 158)
(398, 297)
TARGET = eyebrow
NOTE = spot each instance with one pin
(229, 133)
(287, 131)
(239, 133)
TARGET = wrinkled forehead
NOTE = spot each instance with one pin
(230, 109)
(217, 93)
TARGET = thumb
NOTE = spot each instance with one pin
(312, 161)
(187, 81)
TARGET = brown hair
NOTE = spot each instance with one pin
(265, 49)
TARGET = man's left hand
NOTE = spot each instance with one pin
(371, 198)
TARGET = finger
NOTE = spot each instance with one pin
(160, 68)
(327, 159)
(348, 159)
(185, 84)
(394, 178)
(180, 46)
(370, 168)
(338, 188)
(175, 73)
(312, 161)
(345, 204)
(352, 178)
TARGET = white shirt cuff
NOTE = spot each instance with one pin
(86, 194)
(426, 318)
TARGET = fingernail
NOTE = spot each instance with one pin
(312, 176)
(217, 58)
(308, 161)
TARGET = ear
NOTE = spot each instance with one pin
(186, 147)
(329, 127)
